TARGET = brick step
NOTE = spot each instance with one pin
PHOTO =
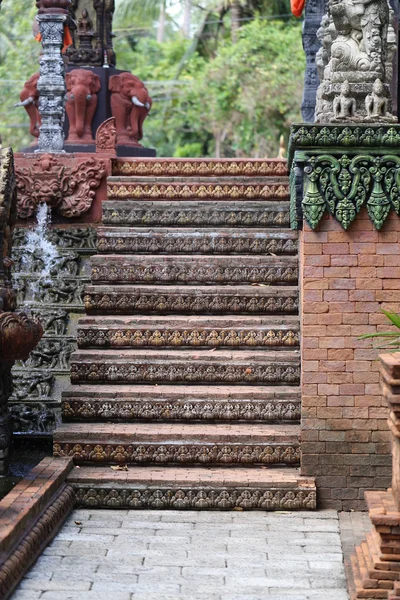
(186, 366)
(180, 444)
(233, 300)
(200, 167)
(221, 270)
(185, 331)
(201, 188)
(146, 213)
(193, 488)
(194, 241)
(181, 403)
(358, 591)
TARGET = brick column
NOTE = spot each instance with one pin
(344, 199)
(347, 277)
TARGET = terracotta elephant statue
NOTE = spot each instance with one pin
(29, 100)
(130, 105)
(81, 104)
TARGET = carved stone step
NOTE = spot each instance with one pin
(193, 488)
(201, 188)
(166, 443)
(198, 331)
(128, 240)
(201, 167)
(222, 270)
(181, 403)
(146, 213)
(186, 366)
(228, 300)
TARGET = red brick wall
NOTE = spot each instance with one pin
(346, 278)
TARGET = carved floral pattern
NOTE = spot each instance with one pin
(230, 216)
(185, 372)
(214, 168)
(117, 272)
(106, 338)
(151, 410)
(222, 454)
(198, 498)
(209, 191)
(106, 137)
(69, 190)
(123, 303)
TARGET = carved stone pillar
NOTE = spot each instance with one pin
(314, 11)
(51, 84)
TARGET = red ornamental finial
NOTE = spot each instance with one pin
(53, 6)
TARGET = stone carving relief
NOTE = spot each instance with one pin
(30, 101)
(189, 337)
(124, 303)
(216, 191)
(196, 245)
(358, 47)
(198, 373)
(130, 105)
(32, 418)
(192, 499)
(68, 190)
(32, 385)
(50, 354)
(81, 104)
(222, 216)
(110, 272)
(218, 454)
(106, 137)
(343, 185)
(203, 168)
(150, 410)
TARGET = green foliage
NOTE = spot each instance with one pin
(237, 104)
(391, 339)
(236, 101)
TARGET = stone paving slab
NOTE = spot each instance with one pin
(149, 555)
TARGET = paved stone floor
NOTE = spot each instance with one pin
(168, 555)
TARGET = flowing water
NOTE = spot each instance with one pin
(40, 254)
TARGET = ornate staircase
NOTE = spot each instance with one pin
(185, 387)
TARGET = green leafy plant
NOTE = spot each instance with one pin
(391, 339)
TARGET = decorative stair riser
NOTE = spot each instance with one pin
(146, 366)
(228, 454)
(161, 188)
(130, 241)
(167, 332)
(182, 404)
(196, 214)
(192, 269)
(186, 412)
(162, 300)
(201, 167)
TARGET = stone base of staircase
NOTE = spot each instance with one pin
(193, 488)
(376, 564)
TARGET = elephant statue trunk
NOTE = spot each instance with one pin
(29, 99)
(82, 88)
(130, 105)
